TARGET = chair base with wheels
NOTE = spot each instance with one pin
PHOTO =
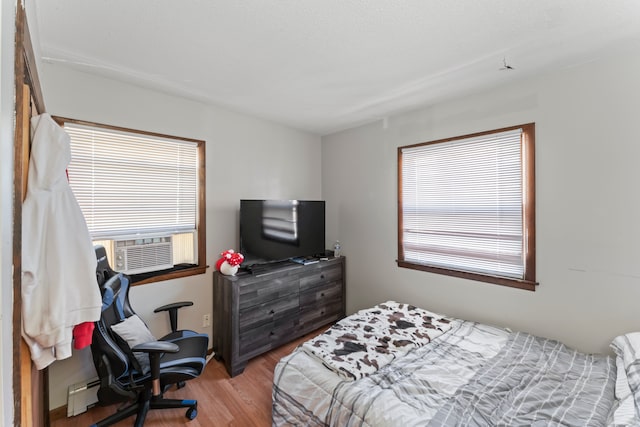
(151, 397)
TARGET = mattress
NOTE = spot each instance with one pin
(471, 374)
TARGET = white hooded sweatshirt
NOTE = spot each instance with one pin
(59, 287)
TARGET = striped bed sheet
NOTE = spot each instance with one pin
(472, 375)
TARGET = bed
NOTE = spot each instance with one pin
(399, 365)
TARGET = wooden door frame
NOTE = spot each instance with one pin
(26, 74)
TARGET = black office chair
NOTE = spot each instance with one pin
(134, 367)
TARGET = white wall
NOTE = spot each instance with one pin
(7, 108)
(245, 158)
(588, 204)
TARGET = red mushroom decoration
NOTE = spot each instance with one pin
(229, 262)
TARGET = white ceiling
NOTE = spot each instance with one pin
(327, 65)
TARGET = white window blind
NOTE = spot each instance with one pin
(129, 183)
(462, 204)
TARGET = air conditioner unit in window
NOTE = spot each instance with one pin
(143, 254)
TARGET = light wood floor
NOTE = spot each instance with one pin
(244, 400)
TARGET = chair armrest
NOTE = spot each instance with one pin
(157, 347)
(172, 306)
(173, 312)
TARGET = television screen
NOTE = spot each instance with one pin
(275, 230)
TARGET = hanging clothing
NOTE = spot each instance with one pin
(82, 335)
(59, 287)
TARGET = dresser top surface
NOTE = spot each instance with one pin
(282, 268)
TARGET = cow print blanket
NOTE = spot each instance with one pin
(364, 342)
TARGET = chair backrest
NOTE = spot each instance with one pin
(104, 273)
(103, 269)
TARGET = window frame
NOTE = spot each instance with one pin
(178, 272)
(528, 282)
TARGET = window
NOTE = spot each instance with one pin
(466, 206)
(142, 195)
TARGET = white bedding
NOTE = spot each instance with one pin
(472, 374)
(310, 385)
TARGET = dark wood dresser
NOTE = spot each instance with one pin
(256, 312)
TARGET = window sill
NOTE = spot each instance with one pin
(172, 273)
(503, 281)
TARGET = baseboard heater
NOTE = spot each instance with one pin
(82, 396)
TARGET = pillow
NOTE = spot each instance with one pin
(134, 332)
(622, 389)
(625, 412)
(627, 349)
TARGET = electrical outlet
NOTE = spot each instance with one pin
(206, 320)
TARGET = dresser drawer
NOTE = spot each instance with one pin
(267, 336)
(267, 312)
(316, 317)
(320, 295)
(321, 305)
(259, 291)
(318, 276)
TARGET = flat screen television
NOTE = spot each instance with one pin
(277, 230)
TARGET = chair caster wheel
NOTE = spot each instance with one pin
(191, 413)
